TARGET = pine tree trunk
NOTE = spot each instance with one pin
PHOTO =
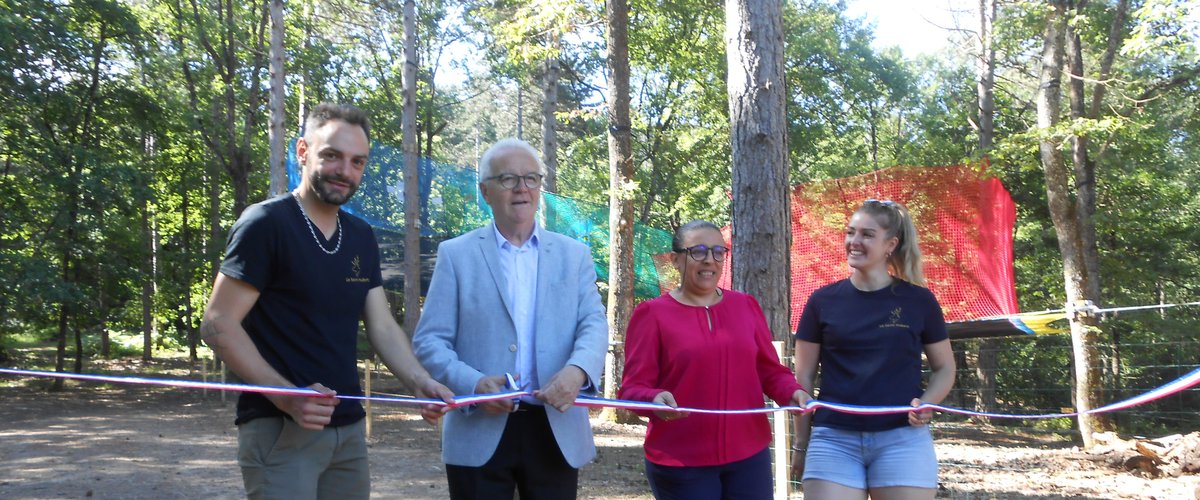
(215, 242)
(78, 340)
(549, 122)
(147, 285)
(986, 75)
(520, 113)
(620, 219)
(987, 364)
(412, 194)
(277, 134)
(61, 338)
(186, 257)
(758, 129)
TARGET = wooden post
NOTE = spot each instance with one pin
(782, 451)
(204, 375)
(367, 392)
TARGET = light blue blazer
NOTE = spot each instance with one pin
(466, 333)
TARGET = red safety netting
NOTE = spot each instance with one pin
(964, 221)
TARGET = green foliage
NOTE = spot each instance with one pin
(846, 97)
(123, 121)
(1162, 31)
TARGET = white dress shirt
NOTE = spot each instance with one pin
(519, 266)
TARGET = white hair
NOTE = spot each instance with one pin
(485, 163)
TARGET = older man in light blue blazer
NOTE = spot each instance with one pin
(513, 300)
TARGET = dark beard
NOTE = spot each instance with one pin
(320, 185)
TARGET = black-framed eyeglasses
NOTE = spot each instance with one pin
(699, 252)
(509, 181)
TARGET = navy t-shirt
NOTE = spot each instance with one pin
(871, 345)
(305, 322)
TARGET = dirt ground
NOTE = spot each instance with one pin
(123, 442)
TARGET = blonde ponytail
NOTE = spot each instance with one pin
(905, 261)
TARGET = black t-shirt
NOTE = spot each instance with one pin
(305, 322)
(871, 345)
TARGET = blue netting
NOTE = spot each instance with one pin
(451, 205)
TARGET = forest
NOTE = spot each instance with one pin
(136, 131)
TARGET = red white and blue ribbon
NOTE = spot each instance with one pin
(1178, 385)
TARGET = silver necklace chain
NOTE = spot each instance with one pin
(311, 229)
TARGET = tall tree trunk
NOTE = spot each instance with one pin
(68, 262)
(520, 112)
(215, 237)
(1085, 200)
(147, 283)
(431, 131)
(66, 306)
(61, 348)
(1085, 169)
(1065, 219)
(186, 258)
(276, 132)
(657, 177)
(986, 364)
(241, 154)
(549, 122)
(1116, 34)
(78, 338)
(985, 70)
(102, 300)
(412, 194)
(102, 297)
(83, 139)
(873, 135)
(761, 207)
(301, 80)
(230, 145)
(620, 198)
(213, 243)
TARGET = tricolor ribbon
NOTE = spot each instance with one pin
(1178, 385)
(262, 389)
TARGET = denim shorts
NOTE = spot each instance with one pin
(863, 460)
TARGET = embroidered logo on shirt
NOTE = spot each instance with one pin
(356, 268)
(894, 320)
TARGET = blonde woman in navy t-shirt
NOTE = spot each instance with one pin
(868, 332)
(700, 346)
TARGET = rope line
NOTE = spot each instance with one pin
(1178, 385)
(1088, 308)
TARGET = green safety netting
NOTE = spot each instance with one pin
(451, 205)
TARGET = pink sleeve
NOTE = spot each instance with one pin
(642, 349)
(778, 381)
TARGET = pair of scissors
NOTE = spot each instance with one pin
(512, 385)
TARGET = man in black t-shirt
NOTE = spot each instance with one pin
(298, 275)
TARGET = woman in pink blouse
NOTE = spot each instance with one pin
(701, 346)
